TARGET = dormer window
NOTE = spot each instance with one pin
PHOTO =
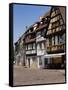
(38, 35)
(29, 30)
(42, 18)
(46, 20)
(41, 22)
(35, 26)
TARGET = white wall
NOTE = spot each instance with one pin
(40, 51)
(42, 60)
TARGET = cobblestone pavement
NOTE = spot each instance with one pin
(27, 76)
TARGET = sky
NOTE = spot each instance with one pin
(25, 15)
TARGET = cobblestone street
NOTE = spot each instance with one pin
(27, 76)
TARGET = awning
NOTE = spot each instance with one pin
(53, 55)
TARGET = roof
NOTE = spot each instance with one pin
(46, 14)
(63, 12)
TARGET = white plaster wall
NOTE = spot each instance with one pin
(43, 62)
(42, 65)
(31, 61)
(27, 61)
(38, 62)
(40, 52)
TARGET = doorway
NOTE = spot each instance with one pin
(46, 62)
(29, 62)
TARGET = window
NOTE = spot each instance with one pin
(46, 20)
(50, 41)
(63, 27)
(38, 34)
(53, 19)
(43, 32)
(57, 29)
(29, 46)
(26, 47)
(56, 40)
(46, 61)
(33, 45)
(42, 45)
(62, 39)
(39, 46)
(61, 21)
(47, 41)
(29, 36)
(55, 24)
(58, 17)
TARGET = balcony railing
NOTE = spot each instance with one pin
(56, 29)
(56, 47)
(31, 52)
(30, 40)
(40, 39)
(41, 26)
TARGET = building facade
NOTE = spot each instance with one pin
(20, 52)
(43, 44)
(56, 36)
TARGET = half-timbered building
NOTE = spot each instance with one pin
(44, 42)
